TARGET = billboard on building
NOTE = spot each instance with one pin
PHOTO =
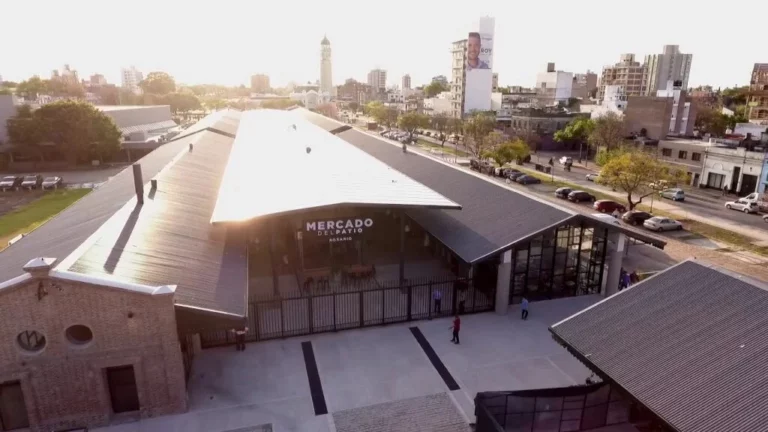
(479, 68)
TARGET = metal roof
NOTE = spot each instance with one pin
(282, 163)
(61, 235)
(225, 122)
(170, 240)
(492, 216)
(689, 343)
(166, 124)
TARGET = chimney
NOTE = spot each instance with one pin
(550, 67)
(138, 182)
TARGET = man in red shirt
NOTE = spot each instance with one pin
(456, 327)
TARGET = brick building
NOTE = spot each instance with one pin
(660, 116)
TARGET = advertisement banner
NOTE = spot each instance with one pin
(478, 72)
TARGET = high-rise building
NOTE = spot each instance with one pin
(377, 78)
(670, 66)
(406, 82)
(326, 72)
(131, 77)
(757, 99)
(67, 75)
(458, 76)
(554, 85)
(627, 73)
(472, 69)
(97, 80)
(260, 83)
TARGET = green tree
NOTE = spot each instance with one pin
(215, 104)
(502, 154)
(521, 150)
(159, 83)
(477, 128)
(411, 121)
(734, 96)
(182, 102)
(577, 131)
(633, 171)
(25, 133)
(439, 123)
(354, 106)
(712, 121)
(434, 88)
(8, 84)
(78, 130)
(31, 88)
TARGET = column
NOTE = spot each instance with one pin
(402, 248)
(502, 283)
(614, 257)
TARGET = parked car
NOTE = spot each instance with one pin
(563, 192)
(636, 217)
(765, 218)
(592, 176)
(661, 185)
(742, 205)
(606, 218)
(526, 180)
(580, 196)
(505, 172)
(514, 175)
(675, 194)
(32, 181)
(10, 182)
(658, 223)
(52, 182)
(608, 206)
(565, 160)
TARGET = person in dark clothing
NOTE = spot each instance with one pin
(456, 327)
(524, 308)
(240, 338)
(438, 296)
(725, 190)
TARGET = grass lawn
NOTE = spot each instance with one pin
(36, 213)
(430, 145)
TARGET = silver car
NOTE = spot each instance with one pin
(658, 223)
(675, 194)
(742, 205)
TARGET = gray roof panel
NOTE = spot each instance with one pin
(690, 343)
(492, 216)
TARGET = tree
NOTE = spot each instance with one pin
(279, 104)
(477, 127)
(24, 132)
(215, 104)
(456, 127)
(577, 131)
(633, 171)
(502, 154)
(328, 110)
(8, 84)
(181, 102)
(521, 150)
(734, 96)
(712, 121)
(608, 131)
(159, 83)
(439, 123)
(354, 106)
(78, 130)
(411, 121)
(31, 88)
(434, 88)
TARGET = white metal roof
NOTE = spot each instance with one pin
(282, 163)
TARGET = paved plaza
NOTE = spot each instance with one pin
(378, 372)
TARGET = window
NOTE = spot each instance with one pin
(666, 152)
(79, 334)
(31, 341)
(696, 157)
(682, 154)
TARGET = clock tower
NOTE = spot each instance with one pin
(326, 75)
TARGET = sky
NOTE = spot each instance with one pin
(226, 41)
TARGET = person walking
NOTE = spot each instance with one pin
(524, 308)
(456, 327)
(725, 190)
(438, 297)
(240, 338)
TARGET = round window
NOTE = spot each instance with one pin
(79, 334)
(31, 341)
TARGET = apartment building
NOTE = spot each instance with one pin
(131, 77)
(584, 84)
(377, 78)
(627, 73)
(669, 66)
(260, 83)
(554, 85)
(406, 82)
(758, 94)
(458, 76)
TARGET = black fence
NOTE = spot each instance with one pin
(370, 304)
(565, 409)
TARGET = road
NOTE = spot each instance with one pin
(705, 206)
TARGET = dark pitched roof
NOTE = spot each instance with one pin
(60, 236)
(169, 240)
(689, 343)
(492, 216)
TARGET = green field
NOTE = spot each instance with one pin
(36, 213)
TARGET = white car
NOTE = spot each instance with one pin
(592, 176)
(606, 218)
(658, 223)
(742, 205)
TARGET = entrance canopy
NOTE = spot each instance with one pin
(281, 163)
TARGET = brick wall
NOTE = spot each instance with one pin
(64, 384)
(651, 113)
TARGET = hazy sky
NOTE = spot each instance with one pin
(226, 41)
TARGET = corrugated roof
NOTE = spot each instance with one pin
(492, 216)
(224, 122)
(283, 163)
(690, 343)
(170, 240)
(167, 124)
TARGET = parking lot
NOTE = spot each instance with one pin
(76, 177)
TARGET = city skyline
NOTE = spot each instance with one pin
(216, 46)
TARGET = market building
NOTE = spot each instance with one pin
(287, 223)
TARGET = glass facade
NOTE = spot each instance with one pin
(563, 262)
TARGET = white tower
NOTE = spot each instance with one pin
(326, 76)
